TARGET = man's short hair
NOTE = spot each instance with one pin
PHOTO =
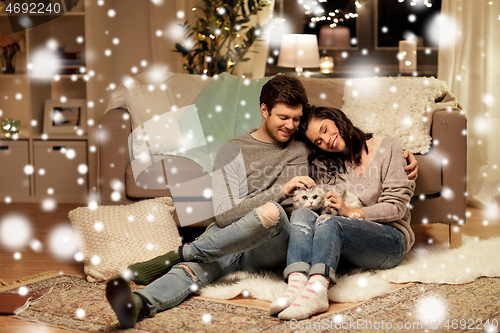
(284, 89)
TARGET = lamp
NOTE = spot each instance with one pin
(299, 51)
(407, 56)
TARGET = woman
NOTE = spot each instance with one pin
(373, 237)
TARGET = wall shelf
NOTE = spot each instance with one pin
(11, 76)
(21, 135)
(59, 137)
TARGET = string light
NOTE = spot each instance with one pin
(427, 3)
(315, 9)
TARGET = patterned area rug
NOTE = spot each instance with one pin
(79, 305)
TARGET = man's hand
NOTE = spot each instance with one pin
(412, 167)
(302, 182)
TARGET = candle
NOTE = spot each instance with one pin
(407, 56)
(326, 64)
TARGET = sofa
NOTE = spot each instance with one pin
(440, 188)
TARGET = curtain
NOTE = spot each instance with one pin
(468, 62)
(165, 15)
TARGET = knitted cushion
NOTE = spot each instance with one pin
(399, 107)
(113, 237)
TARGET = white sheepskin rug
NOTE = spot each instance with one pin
(432, 264)
(399, 107)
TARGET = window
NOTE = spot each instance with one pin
(373, 34)
(334, 22)
(411, 19)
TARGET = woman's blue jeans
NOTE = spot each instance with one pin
(318, 242)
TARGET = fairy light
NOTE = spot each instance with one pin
(314, 8)
(413, 3)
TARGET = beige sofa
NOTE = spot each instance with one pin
(440, 189)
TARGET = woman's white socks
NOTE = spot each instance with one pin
(312, 299)
(296, 283)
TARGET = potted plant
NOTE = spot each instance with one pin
(221, 37)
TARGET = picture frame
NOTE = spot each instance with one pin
(65, 117)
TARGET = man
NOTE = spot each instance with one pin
(254, 176)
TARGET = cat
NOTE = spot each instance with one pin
(314, 198)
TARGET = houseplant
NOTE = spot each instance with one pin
(221, 37)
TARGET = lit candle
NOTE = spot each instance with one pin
(407, 56)
(326, 64)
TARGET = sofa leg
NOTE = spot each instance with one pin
(455, 236)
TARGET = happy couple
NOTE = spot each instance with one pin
(253, 231)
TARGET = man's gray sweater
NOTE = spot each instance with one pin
(248, 173)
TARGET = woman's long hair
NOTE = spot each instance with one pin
(354, 138)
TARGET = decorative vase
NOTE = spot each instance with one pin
(8, 56)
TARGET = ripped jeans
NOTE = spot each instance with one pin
(318, 242)
(245, 245)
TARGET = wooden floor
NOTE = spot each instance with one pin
(42, 223)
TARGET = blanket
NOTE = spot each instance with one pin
(223, 109)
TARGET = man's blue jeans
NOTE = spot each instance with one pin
(318, 243)
(246, 245)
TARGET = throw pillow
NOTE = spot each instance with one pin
(145, 100)
(399, 107)
(149, 103)
(113, 237)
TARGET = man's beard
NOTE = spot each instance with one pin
(275, 135)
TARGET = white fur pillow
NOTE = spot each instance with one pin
(113, 237)
(149, 105)
(399, 107)
(144, 100)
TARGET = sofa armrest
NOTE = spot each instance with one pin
(114, 128)
(449, 146)
(449, 135)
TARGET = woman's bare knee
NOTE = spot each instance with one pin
(268, 214)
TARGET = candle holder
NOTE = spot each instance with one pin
(10, 126)
(407, 56)
(326, 64)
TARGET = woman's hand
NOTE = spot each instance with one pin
(412, 167)
(337, 203)
(302, 182)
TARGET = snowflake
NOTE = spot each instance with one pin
(206, 318)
